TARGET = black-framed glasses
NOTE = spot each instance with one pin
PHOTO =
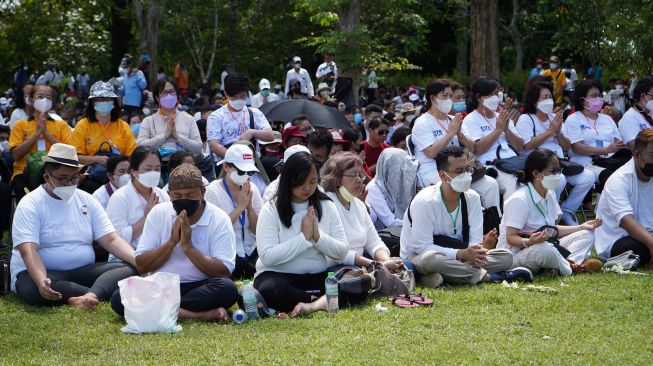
(67, 181)
(168, 92)
(382, 132)
(241, 172)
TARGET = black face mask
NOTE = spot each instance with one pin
(189, 205)
(647, 170)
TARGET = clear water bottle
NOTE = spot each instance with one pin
(239, 316)
(331, 286)
(249, 301)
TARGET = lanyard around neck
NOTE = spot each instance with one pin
(241, 218)
(530, 192)
(454, 219)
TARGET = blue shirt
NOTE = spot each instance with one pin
(132, 88)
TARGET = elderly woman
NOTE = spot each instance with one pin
(394, 186)
(53, 261)
(102, 129)
(342, 180)
(169, 130)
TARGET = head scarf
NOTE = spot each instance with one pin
(396, 178)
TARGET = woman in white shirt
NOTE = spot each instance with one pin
(343, 179)
(539, 127)
(434, 130)
(169, 130)
(638, 117)
(389, 193)
(242, 201)
(128, 206)
(590, 132)
(118, 174)
(297, 233)
(494, 136)
(533, 206)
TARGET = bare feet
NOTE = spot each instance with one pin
(213, 315)
(88, 301)
(305, 309)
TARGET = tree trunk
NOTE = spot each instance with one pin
(462, 40)
(484, 24)
(349, 21)
(516, 36)
(147, 17)
(120, 34)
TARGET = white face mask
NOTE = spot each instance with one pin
(237, 104)
(551, 181)
(324, 93)
(461, 183)
(122, 180)
(149, 179)
(649, 106)
(500, 95)
(410, 118)
(43, 105)
(64, 192)
(545, 106)
(492, 103)
(346, 195)
(238, 179)
(445, 105)
(619, 87)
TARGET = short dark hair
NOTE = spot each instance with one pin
(643, 86)
(235, 83)
(90, 111)
(481, 87)
(532, 95)
(581, 90)
(538, 159)
(399, 135)
(442, 158)
(160, 85)
(371, 108)
(320, 138)
(296, 120)
(141, 153)
(177, 158)
(5, 128)
(113, 162)
(375, 123)
(294, 172)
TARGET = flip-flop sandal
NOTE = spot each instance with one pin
(403, 302)
(418, 299)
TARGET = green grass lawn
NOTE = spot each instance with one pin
(603, 319)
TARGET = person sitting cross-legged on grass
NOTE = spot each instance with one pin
(193, 239)
(535, 205)
(443, 231)
(297, 232)
(53, 261)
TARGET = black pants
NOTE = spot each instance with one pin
(283, 291)
(245, 266)
(98, 278)
(5, 208)
(18, 185)
(629, 243)
(196, 296)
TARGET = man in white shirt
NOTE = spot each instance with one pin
(297, 73)
(235, 122)
(327, 72)
(638, 116)
(443, 231)
(264, 96)
(195, 240)
(626, 208)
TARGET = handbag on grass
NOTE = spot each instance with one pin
(628, 261)
(391, 284)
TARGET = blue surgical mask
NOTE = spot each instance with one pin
(459, 107)
(103, 108)
(358, 118)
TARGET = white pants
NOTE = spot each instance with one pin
(546, 256)
(594, 169)
(487, 187)
(507, 183)
(581, 183)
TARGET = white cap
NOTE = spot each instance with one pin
(296, 59)
(293, 150)
(323, 86)
(242, 157)
(413, 97)
(264, 84)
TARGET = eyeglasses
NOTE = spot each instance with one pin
(382, 132)
(554, 171)
(355, 176)
(240, 172)
(462, 171)
(168, 92)
(67, 181)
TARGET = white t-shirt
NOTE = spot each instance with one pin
(600, 133)
(218, 196)
(430, 217)
(271, 189)
(258, 100)
(64, 231)
(304, 79)
(126, 206)
(326, 68)
(380, 213)
(631, 123)
(359, 230)
(226, 126)
(475, 127)
(624, 194)
(102, 194)
(526, 214)
(16, 116)
(426, 131)
(527, 123)
(211, 235)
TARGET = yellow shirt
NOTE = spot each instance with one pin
(88, 136)
(558, 79)
(24, 129)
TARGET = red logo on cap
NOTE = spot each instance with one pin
(248, 157)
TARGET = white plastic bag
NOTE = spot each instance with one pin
(151, 303)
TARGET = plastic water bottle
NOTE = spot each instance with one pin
(249, 301)
(331, 286)
(239, 316)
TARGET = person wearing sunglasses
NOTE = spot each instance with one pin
(241, 199)
(532, 207)
(377, 130)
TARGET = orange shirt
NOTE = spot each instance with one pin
(88, 136)
(182, 77)
(24, 129)
(559, 80)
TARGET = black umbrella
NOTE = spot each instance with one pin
(319, 115)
